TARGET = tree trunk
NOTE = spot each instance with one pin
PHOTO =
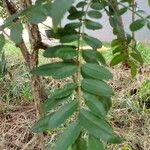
(31, 59)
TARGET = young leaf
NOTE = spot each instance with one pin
(56, 119)
(96, 87)
(118, 58)
(95, 144)
(96, 71)
(16, 32)
(56, 70)
(94, 104)
(94, 14)
(137, 25)
(98, 127)
(93, 42)
(93, 56)
(58, 9)
(68, 137)
(92, 25)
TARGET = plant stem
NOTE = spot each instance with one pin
(79, 95)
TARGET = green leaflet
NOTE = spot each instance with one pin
(3, 69)
(96, 71)
(98, 127)
(56, 70)
(96, 6)
(58, 9)
(95, 144)
(94, 104)
(148, 25)
(118, 49)
(65, 91)
(41, 125)
(68, 137)
(133, 68)
(80, 144)
(118, 58)
(94, 14)
(96, 87)
(116, 42)
(56, 119)
(73, 25)
(58, 95)
(56, 51)
(67, 53)
(137, 25)
(76, 15)
(16, 32)
(81, 4)
(72, 9)
(93, 56)
(107, 103)
(93, 42)
(51, 103)
(2, 42)
(122, 11)
(92, 25)
(69, 38)
(137, 57)
(36, 15)
(50, 52)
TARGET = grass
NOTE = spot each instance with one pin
(129, 114)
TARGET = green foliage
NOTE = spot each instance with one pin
(56, 119)
(88, 88)
(57, 13)
(96, 71)
(2, 57)
(16, 32)
(95, 144)
(149, 2)
(2, 42)
(56, 70)
(88, 96)
(138, 24)
(69, 136)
